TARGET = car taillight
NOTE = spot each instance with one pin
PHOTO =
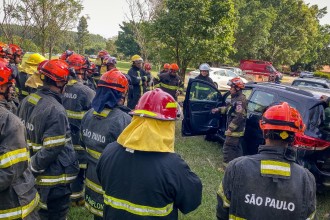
(304, 141)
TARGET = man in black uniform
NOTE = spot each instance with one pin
(137, 77)
(18, 196)
(269, 185)
(170, 82)
(101, 125)
(53, 159)
(77, 100)
(141, 175)
(236, 119)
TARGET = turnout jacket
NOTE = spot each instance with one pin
(98, 130)
(199, 91)
(53, 159)
(146, 185)
(266, 186)
(236, 115)
(138, 78)
(170, 84)
(18, 196)
(77, 99)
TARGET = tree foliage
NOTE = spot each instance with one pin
(126, 43)
(83, 35)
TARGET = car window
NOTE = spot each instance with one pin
(222, 72)
(259, 101)
(319, 121)
(309, 84)
(231, 73)
(203, 91)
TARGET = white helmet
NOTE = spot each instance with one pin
(204, 66)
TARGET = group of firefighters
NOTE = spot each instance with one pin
(65, 139)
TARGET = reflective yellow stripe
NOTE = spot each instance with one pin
(145, 112)
(75, 115)
(157, 86)
(34, 99)
(311, 217)
(78, 147)
(35, 147)
(275, 168)
(54, 180)
(104, 113)
(233, 217)
(202, 88)
(13, 157)
(171, 105)
(93, 210)
(54, 141)
(94, 187)
(169, 86)
(235, 134)
(43, 205)
(225, 201)
(233, 126)
(137, 209)
(82, 166)
(76, 195)
(93, 153)
(20, 212)
(24, 93)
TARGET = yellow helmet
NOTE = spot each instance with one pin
(136, 58)
(35, 59)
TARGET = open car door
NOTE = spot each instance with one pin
(201, 98)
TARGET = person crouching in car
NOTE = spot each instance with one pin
(269, 185)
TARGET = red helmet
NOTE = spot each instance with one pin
(174, 67)
(282, 117)
(156, 104)
(76, 61)
(102, 53)
(166, 66)
(147, 66)
(15, 50)
(4, 49)
(40, 65)
(57, 70)
(114, 79)
(66, 54)
(236, 82)
(5, 72)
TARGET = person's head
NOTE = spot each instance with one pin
(101, 54)
(110, 62)
(279, 124)
(66, 54)
(204, 69)
(236, 84)
(166, 66)
(4, 51)
(6, 81)
(55, 74)
(272, 77)
(174, 69)
(158, 105)
(137, 61)
(78, 63)
(147, 67)
(115, 80)
(16, 54)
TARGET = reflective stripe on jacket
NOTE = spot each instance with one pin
(170, 84)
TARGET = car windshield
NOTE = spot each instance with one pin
(231, 73)
(319, 122)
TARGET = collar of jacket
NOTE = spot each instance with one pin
(279, 152)
(135, 68)
(47, 91)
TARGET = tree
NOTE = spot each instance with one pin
(51, 18)
(196, 31)
(111, 46)
(83, 35)
(126, 43)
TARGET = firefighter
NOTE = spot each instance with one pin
(199, 91)
(77, 100)
(170, 82)
(66, 54)
(165, 69)
(110, 62)
(27, 69)
(8, 91)
(18, 196)
(100, 61)
(142, 176)
(100, 126)
(273, 78)
(138, 77)
(236, 119)
(148, 84)
(269, 185)
(53, 159)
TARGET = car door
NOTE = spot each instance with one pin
(201, 98)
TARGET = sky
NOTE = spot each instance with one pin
(106, 15)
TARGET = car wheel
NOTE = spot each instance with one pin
(216, 85)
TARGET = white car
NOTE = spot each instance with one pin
(219, 76)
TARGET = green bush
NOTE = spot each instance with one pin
(322, 74)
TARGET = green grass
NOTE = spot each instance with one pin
(204, 158)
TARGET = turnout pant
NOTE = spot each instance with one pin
(231, 149)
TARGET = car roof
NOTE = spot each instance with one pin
(319, 80)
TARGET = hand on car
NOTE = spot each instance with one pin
(215, 110)
(324, 98)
